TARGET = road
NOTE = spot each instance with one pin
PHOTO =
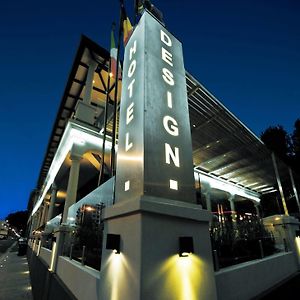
(5, 244)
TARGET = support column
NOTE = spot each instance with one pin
(155, 185)
(41, 208)
(52, 202)
(84, 111)
(232, 208)
(294, 188)
(208, 201)
(286, 212)
(89, 82)
(42, 220)
(72, 185)
(34, 222)
(257, 205)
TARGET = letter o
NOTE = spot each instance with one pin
(131, 68)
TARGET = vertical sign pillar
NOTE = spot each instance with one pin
(155, 195)
(154, 148)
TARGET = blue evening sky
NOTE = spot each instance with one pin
(246, 52)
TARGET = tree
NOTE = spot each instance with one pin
(18, 220)
(278, 141)
(296, 146)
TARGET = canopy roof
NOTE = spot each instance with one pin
(222, 145)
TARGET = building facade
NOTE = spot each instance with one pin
(123, 197)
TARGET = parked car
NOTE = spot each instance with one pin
(3, 233)
(22, 243)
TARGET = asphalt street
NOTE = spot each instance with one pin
(5, 244)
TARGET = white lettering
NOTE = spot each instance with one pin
(170, 154)
(168, 76)
(174, 184)
(130, 87)
(132, 50)
(167, 56)
(127, 185)
(129, 114)
(165, 38)
(173, 128)
(131, 68)
(169, 98)
(128, 145)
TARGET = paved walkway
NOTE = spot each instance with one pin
(289, 289)
(14, 276)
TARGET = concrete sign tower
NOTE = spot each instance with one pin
(155, 208)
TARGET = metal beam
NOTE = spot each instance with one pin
(286, 212)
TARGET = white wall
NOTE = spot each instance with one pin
(45, 254)
(82, 281)
(249, 279)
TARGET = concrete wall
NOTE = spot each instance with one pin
(45, 284)
(250, 279)
(45, 255)
(81, 280)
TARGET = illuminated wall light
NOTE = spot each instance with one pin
(39, 248)
(33, 246)
(127, 185)
(267, 189)
(269, 192)
(173, 184)
(297, 240)
(261, 186)
(113, 242)
(53, 254)
(186, 246)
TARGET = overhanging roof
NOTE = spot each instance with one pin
(74, 91)
(222, 145)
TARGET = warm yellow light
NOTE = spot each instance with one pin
(61, 194)
(89, 208)
(110, 74)
(298, 246)
(182, 277)
(52, 256)
(39, 248)
(119, 274)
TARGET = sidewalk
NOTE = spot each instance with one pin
(14, 276)
(289, 289)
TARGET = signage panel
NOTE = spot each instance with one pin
(154, 149)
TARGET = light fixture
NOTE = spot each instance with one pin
(186, 246)
(113, 242)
